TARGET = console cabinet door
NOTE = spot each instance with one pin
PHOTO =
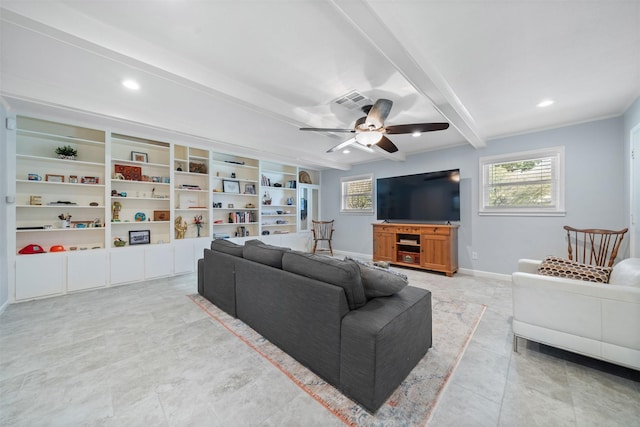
(39, 275)
(127, 265)
(86, 270)
(384, 246)
(435, 252)
(158, 261)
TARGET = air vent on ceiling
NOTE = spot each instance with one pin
(354, 100)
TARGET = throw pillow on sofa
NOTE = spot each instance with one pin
(330, 270)
(257, 251)
(561, 267)
(379, 282)
(230, 248)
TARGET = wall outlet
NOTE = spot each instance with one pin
(474, 255)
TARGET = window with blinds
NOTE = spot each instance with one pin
(357, 194)
(529, 183)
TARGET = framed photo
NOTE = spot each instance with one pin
(136, 156)
(54, 178)
(73, 179)
(229, 186)
(81, 224)
(139, 237)
(249, 189)
(89, 180)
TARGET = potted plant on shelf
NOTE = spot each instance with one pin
(67, 152)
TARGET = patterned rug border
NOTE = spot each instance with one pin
(201, 301)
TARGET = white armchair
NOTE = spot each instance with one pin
(597, 320)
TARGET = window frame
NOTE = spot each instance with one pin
(348, 179)
(556, 154)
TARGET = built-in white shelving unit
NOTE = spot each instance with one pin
(278, 189)
(192, 199)
(140, 187)
(131, 189)
(235, 196)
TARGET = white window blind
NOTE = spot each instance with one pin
(523, 183)
(357, 194)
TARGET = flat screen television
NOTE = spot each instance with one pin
(423, 197)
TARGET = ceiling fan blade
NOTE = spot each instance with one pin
(416, 127)
(386, 144)
(341, 145)
(363, 147)
(328, 130)
(379, 113)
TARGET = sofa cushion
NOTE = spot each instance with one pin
(626, 273)
(329, 270)
(223, 245)
(561, 267)
(377, 281)
(263, 253)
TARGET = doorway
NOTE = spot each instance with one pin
(634, 235)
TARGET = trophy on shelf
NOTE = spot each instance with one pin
(115, 209)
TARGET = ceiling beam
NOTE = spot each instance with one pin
(424, 76)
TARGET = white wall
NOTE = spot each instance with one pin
(4, 280)
(595, 196)
(632, 120)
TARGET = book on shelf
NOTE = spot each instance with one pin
(190, 187)
(242, 217)
(408, 242)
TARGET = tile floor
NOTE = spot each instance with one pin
(144, 354)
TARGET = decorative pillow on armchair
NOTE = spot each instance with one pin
(561, 267)
(626, 273)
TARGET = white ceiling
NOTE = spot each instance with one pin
(245, 75)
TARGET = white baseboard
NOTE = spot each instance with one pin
(465, 271)
(485, 274)
(4, 306)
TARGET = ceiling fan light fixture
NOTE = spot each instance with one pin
(347, 151)
(416, 134)
(369, 138)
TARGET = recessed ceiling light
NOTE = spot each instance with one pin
(346, 151)
(416, 134)
(545, 103)
(131, 84)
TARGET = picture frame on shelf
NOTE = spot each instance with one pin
(89, 180)
(54, 178)
(81, 224)
(138, 156)
(139, 237)
(197, 167)
(249, 189)
(229, 186)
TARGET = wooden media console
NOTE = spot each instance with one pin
(427, 246)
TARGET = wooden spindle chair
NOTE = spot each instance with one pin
(322, 230)
(593, 246)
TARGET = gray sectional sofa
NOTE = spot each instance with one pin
(359, 328)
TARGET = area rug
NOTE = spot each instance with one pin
(413, 402)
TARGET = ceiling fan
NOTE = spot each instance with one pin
(370, 129)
